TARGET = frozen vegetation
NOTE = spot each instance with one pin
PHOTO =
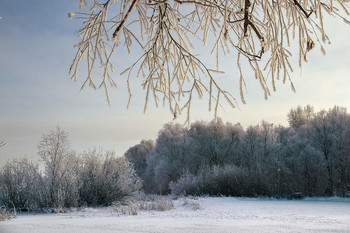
(205, 214)
(260, 170)
(310, 156)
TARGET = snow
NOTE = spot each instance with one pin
(205, 214)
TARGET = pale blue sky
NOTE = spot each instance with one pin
(36, 93)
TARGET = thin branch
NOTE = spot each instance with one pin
(307, 15)
(167, 33)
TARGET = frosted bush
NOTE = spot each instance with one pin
(106, 179)
(226, 180)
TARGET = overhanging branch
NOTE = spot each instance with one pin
(115, 34)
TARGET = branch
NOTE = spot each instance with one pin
(307, 15)
(115, 34)
(248, 22)
(247, 4)
(197, 3)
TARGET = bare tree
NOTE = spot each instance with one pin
(258, 32)
(60, 161)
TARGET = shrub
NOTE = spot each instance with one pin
(5, 214)
(106, 179)
(225, 180)
(20, 185)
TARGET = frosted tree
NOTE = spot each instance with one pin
(169, 158)
(259, 33)
(328, 133)
(137, 155)
(268, 138)
(60, 168)
(299, 116)
(215, 142)
(252, 145)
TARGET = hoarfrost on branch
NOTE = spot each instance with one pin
(258, 32)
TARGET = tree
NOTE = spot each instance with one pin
(137, 155)
(167, 34)
(215, 143)
(299, 116)
(60, 167)
(328, 133)
(252, 146)
(170, 157)
(268, 138)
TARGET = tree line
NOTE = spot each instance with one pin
(216, 158)
(310, 156)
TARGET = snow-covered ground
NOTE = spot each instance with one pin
(207, 214)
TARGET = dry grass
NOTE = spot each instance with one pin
(5, 214)
(191, 204)
(145, 202)
(154, 202)
(130, 208)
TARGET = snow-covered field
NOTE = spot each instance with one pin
(207, 214)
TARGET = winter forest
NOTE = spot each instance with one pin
(310, 157)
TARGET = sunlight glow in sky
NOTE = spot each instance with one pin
(36, 93)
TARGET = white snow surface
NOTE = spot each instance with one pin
(216, 214)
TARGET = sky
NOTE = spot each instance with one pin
(36, 93)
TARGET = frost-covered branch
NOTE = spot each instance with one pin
(258, 32)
